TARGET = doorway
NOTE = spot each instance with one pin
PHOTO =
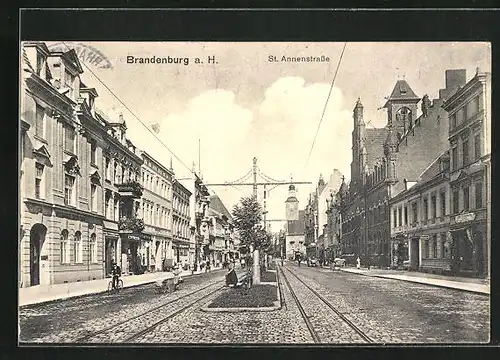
(37, 238)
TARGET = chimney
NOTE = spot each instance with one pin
(454, 79)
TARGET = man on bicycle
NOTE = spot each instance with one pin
(116, 272)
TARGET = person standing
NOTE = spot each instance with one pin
(358, 263)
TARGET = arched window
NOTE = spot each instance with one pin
(64, 247)
(93, 248)
(77, 248)
(404, 118)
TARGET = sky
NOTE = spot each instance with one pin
(245, 106)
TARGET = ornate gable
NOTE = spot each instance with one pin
(95, 178)
(42, 154)
(71, 166)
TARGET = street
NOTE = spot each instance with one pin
(362, 309)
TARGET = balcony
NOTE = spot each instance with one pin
(130, 188)
(131, 224)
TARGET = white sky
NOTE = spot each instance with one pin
(246, 106)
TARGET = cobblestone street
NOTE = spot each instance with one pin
(387, 311)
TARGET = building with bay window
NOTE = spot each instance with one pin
(61, 165)
(469, 111)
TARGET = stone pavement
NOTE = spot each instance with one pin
(45, 293)
(479, 286)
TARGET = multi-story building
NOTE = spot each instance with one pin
(221, 232)
(199, 223)
(311, 222)
(61, 171)
(181, 224)
(122, 226)
(384, 158)
(470, 180)
(333, 232)
(157, 213)
(420, 221)
(295, 227)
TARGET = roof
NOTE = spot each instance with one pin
(433, 169)
(401, 91)
(217, 205)
(179, 185)
(297, 227)
(374, 143)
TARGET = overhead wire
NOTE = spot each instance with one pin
(326, 105)
(133, 114)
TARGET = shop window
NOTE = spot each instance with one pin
(466, 198)
(479, 194)
(434, 246)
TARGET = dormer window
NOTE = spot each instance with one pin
(40, 65)
(69, 81)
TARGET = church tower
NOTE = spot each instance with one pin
(292, 204)
(401, 108)
(359, 155)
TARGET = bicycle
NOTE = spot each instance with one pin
(118, 287)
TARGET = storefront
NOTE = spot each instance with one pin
(400, 251)
(469, 249)
(131, 260)
(111, 252)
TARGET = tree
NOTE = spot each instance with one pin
(247, 217)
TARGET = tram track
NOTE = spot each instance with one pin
(310, 326)
(118, 331)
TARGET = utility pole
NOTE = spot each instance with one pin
(254, 170)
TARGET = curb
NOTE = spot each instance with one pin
(422, 283)
(276, 304)
(77, 296)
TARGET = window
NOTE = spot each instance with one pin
(454, 158)
(466, 198)
(69, 82)
(453, 120)
(414, 210)
(442, 200)
(406, 215)
(69, 139)
(433, 207)
(465, 146)
(116, 209)
(441, 251)
(64, 247)
(455, 202)
(434, 246)
(143, 179)
(426, 209)
(446, 254)
(93, 200)
(107, 168)
(115, 172)
(477, 147)
(40, 121)
(473, 106)
(460, 116)
(400, 216)
(479, 194)
(93, 249)
(40, 63)
(69, 183)
(93, 149)
(427, 249)
(77, 248)
(39, 181)
(108, 204)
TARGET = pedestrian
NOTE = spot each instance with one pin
(368, 263)
(358, 263)
(242, 262)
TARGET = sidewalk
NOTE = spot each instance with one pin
(45, 293)
(479, 286)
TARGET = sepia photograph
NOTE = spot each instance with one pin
(279, 193)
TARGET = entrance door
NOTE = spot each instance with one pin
(37, 238)
(415, 251)
(108, 255)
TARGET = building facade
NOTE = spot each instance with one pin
(295, 227)
(221, 233)
(470, 180)
(156, 206)
(61, 170)
(181, 219)
(420, 221)
(384, 158)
